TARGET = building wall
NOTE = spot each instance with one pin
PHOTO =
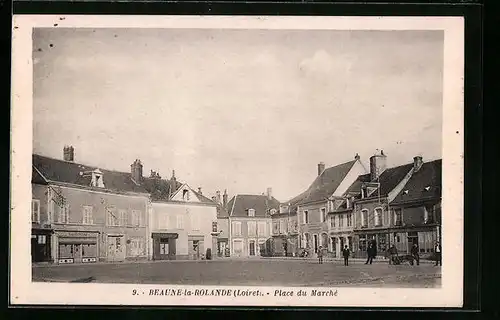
(223, 224)
(239, 243)
(39, 192)
(340, 233)
(185, 219)
(76, 199)
(285, 228)
(314, 227)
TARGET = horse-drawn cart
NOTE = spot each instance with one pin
(401, 259)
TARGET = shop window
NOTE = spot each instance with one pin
(89, 250)
(35, 211)
(42, 239)
(164, 246)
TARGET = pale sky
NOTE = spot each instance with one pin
(241, 110)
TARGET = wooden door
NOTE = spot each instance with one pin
(116, 248)
(251, 248)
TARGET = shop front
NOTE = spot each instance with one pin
(164, 246)
(77, 247)
(196, 247)
(40, 245)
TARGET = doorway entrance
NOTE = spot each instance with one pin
(251, 248)
(164, 246)
(315, 243)
(40, 247)
(116, 248)
(412, 239)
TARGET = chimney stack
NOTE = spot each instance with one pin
(269, 193)
(321, 168)
(136, 171)
(224, 199)
(199, 190)
(69, 153)
(356, 157)
(417, 163)
(217, 196)
(377, 165)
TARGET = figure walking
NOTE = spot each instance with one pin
(437, 251)
(346, 253)
(415, 254)
(393, 253)
(371, 252)
(320, 255)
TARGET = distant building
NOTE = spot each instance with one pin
(250, 223)
(417, 209)
(319, 199)
(222, 224)
(83, 214)
(377, 211)
(182, 220)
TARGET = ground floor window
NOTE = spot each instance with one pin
(362, 242)
(426, 241)
(238, 246)
(137, 247)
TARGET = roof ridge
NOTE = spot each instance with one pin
(80, 163)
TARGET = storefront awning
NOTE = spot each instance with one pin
(63, 240)
(157, 235)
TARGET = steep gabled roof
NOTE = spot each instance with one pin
(74, 173)
(324, 185)
(238, 206)
(391, 177)
(423, 184)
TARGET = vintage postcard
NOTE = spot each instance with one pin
(245, 161)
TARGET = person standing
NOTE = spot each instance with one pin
(437, 251)
(393, 253)
(320, 254)
(346, 253)
(415, 254)
(370, 253)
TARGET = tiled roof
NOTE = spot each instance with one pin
(73, 173)
(238, 206)
(324, 185)
(391, 177)
(159, 188)
(222, 212)
(355, 187)
(423, 184)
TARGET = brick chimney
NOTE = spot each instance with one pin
(321, 168)
(377, 165)
(217, 196)
(224, 199)
(269, 193)
(69, 153)
(136, 171)
(417, 163)
(356, 157)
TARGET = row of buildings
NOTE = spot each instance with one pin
(346, 204)
(85, 214)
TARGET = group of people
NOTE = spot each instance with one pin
(371, 251)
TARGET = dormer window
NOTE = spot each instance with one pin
(185, 195)
(251, 212)
(273, 211)
(97, 180)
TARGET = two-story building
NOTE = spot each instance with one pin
(285, 230)
(183, 222)
(250, 224)
(417, 209)
(314, 204)
(94, 214)
(373, 221)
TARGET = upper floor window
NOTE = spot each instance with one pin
(252, 228)
(378, 216)
(136, 218)
(215, 227)
(63, 213)
(322, 212)
(294, 225)
(87, 217)
(195, 222)
(122, 217)
(349, 219)
(251, 212)
(276, 227)
(35, 210)
(261, 228)
(236, 228)
(306, 217)
(283, 226)
(364, 217)
(332, 221)
(397, 216)
(341, 221)
(97, 180)
(112, 217)
(180, 221)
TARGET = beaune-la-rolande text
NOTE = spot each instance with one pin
(205, 292)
